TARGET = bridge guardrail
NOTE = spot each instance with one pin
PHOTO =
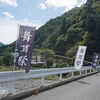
(11, 76)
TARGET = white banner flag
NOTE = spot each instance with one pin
(80, 57)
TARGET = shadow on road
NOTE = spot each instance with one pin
(83, 82)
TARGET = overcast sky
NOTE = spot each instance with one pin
(30, 12)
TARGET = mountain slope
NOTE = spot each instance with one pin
(77, 26)
(7, 48)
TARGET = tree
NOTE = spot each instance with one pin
(8, 59)
(47, 52)
(50, 62)
(60, 45)
(1, 60)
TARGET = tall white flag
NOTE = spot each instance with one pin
(80, 57)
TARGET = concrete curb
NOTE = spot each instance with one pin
(29, 92)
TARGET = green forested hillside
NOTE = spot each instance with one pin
(7, 48)
(1, 44)
(79, 26)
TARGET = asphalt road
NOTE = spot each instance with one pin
(84, 89)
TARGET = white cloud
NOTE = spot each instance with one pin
(26, 21)
(68, 4)
(8, 28)
(82, 2)
(8, 15)
(12, 3)
(8, 31)
(42, 6)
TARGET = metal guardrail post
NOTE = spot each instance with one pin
(90, 70)
(60, 78)
(10, 88)
(72, 74)
(42, 81)
(80, 72)
(86, 71)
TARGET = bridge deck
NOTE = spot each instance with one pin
(84, 89)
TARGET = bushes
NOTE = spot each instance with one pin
(61, 64)
(50, 62)
(8, 59)
(1, 61)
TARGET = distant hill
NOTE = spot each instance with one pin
(1, 44)
(7, 48)
(79, 26)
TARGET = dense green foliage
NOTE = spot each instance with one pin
(7, 48)
(1, 44)
(79, 26)
(50, 62)
(8, 59)
(46, 52)
(1, 61)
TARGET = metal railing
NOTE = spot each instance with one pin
(10, 76)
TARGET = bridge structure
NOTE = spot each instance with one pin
(11, 76)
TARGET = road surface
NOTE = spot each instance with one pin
(84, 89)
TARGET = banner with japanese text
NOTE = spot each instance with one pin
(25, 45)
(95, 59)
(80, 57)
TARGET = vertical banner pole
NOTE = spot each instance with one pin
(11, 84)
(16, 48)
